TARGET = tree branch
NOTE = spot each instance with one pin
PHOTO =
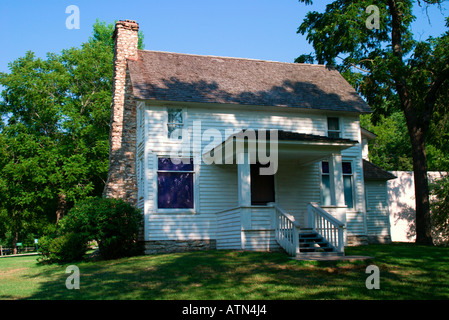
(398, 75)
(432, 95)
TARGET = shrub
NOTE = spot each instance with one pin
(66, 247)
(113, 223)
(118, 225)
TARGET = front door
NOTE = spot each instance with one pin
(262, 186)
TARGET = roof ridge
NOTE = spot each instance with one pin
(235, 58)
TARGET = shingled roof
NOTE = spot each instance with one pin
(208, 79)
(373, 172)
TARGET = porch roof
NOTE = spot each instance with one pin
(305, 148)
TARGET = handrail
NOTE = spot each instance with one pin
(326, 214)
(286, 231)
(330, 228)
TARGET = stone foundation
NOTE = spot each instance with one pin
(361, 240)
(172, 246)
(357, 240)
(379, 239)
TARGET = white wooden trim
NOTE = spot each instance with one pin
(337, 196)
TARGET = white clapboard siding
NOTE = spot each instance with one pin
(217, 185)
(377, 208)
(296, 186)
(262, 218)
(218, 188)
(260, 236)
(182, 227)
(229, 229)
(259, 240)
(356, 222)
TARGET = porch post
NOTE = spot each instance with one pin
(244, 190)
(339, 193)
(338, 197)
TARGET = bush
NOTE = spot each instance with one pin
(118, 225)
(113, 223)
(67, 247)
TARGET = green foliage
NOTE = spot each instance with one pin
(113, 223)
(392, 70)
(118, 225)
(68, 247)
(391, 148)
(440, 210)
(54, 132)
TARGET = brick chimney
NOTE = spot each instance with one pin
(122, 180)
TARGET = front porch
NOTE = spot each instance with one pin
(274, 210)
(270, 228)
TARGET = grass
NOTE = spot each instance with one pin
(407, 271)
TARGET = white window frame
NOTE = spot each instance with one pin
(322, 184)
(331, 186)
(183, 124)
(339, 131)
(353, 179)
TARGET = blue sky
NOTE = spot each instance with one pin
(259, 29)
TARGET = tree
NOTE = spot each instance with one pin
(54, 130)
(391, 149)
(390, 69)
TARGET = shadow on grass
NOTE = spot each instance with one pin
(217, 275)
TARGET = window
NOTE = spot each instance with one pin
(325, 184)
(348, 184)
(348, 181)
(262, 186)
(175, 123)
(175, 183)
(333, 128)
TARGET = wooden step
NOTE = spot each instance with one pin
(312, 255)
(311, 242)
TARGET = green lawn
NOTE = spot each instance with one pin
(407, 271)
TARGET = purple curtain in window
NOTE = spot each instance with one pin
(175, 188)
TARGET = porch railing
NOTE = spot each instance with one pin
(331, 229)
(286, 231)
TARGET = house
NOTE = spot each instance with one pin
(230, 153)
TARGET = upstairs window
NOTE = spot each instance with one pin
(333, 127)
(175, 123)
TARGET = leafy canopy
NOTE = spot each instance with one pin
(54, 131)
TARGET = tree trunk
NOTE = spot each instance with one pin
(14, 242)
(62, 207)
(422, 205)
